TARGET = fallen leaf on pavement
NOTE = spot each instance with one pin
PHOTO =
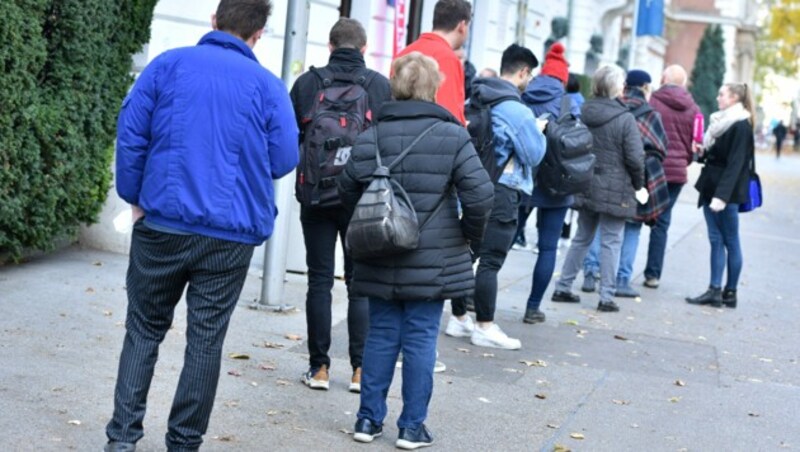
(463, 350)
(634, 425)
(97, 264)
(268, 344)
(488, 355)
(552, 425)
(753, 414)
(537, 363)
(620, 337)
(282, 382)
(574, 355)
(238, 356)
(484, 400)
(621, 402)
(253, 384)
(679, 383)
(581, 331)
(701, 338)
(267, 367)
(231, 403)
(272, 412)
(74, 422)
(108, 313)
(540, 396)
(577, 436)
(572, 322)
(345, 431)
(90, 290)
(235, 373)
(561, 448)
(674, 399)
(765, 360)
(224, 438)
(508, 369)
(293, 337)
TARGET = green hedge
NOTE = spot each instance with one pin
(65, 69)
(709, 70)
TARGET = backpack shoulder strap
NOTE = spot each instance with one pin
(641, 110)
(566, 106)
(410, 146)
(325, 75)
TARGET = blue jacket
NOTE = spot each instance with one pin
(515, 133)
(543, 95)
(200, 138)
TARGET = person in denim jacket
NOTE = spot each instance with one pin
(519, 148)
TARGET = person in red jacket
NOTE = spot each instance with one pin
(450, 30)
(678, 110)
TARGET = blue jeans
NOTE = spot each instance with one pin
(410, 326)
(658, 236)
(549, 224)
(630, 243)
(723, 233)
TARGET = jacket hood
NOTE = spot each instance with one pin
(412, 109)
(675, 97)
(596, 112)
(490, 90)
(543, 89)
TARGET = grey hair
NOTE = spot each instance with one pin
(608, 82)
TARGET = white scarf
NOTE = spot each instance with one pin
(721, 121)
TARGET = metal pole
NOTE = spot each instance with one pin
(294, 55)
(634, 27)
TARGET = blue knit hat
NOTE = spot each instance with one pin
(637, 78)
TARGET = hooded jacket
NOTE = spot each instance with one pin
(619, 168)
(516, 136)
(441, 267)
(543, 96)
(678, 110)
(200, 138)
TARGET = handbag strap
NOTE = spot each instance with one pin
(405, 151)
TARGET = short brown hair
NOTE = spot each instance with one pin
(415, 77)
(347, 33)
(243, 18)
(447, 14)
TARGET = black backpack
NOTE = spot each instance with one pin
(384, 221)
(338, 115)
(479, 126)
(568, 164)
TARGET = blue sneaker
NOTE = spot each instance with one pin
(366, 431)
(414, 438)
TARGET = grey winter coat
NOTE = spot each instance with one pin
(619, 168)
(441, 268)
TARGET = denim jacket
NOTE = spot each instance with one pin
(515, 134)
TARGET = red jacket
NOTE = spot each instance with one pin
(677, 110)
(451, 91)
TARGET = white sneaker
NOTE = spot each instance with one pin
(494, 337)
(438, 366)
(458, 328)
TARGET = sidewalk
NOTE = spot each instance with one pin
(660, 375)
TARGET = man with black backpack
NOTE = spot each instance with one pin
(332, 104)
(506, 131)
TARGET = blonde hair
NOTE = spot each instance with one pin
(415, 77)
(745, 96)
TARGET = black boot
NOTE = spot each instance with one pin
(729, 298)
(712, 297)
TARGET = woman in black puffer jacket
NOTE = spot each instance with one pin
(407, 291)
(618, 174)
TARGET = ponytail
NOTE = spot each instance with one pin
(744, 94)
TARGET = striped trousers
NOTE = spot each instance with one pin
(161, 266)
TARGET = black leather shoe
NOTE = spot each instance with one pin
(711, 297)
(414, 438)
(533, 316)
(366, 431)
(119, 446)
(729, 298)
(566, 297)
(607, 306)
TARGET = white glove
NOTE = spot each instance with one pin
(642, 195)
(717, 205)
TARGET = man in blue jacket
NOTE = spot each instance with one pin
(519, 148)
(200, 138)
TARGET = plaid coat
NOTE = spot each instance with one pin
(654, 139)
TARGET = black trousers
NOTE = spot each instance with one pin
(492, 252)
(321, 226)
(161, 266)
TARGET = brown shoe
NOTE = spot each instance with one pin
(355, 382)
(317, 378)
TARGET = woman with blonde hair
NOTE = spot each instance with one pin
(728, 154)
(407, 291)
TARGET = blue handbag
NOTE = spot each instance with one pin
(754, 193)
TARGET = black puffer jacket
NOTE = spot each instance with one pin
(619, 168)
(441, 267)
